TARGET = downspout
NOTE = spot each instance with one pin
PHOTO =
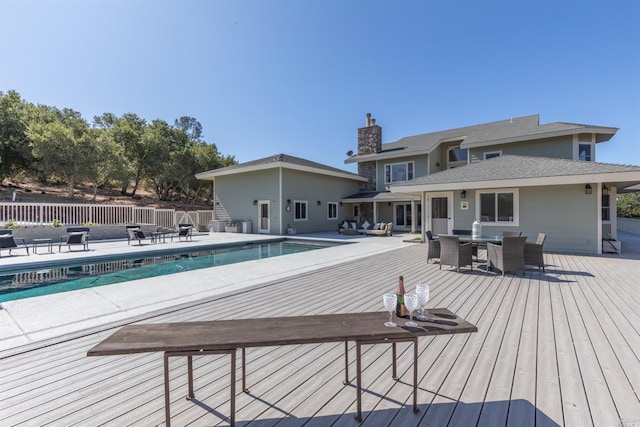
(423, 200)
(599, 218)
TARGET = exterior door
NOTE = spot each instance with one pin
(403, 216)
(264, 221)
(440, 214)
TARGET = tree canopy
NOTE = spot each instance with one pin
(59, 144)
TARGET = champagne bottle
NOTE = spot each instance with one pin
(401, 309)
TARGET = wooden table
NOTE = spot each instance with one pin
(188, 339)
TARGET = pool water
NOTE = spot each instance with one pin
(70, 277)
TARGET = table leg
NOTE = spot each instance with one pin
(415, 376)
(394, 373)
(189, 354)
(358, 383)
(244, 371)
(346, 363)
(190, 377)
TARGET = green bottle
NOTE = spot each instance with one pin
(401, 309)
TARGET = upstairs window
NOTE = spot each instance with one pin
(398, 172)
(457, 157)
(584, 152)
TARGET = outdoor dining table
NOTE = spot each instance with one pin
(188, 339)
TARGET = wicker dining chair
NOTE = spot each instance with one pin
(454, 253)
(533, 252)
(507, 257)
(433, 247)
(511, 233)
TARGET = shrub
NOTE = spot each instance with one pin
(89, 223)
(55, 223)
(12, 224)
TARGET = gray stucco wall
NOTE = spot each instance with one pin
(236, 194)
(420, 168)
(565, 214)
(551, 147)
(312, 188)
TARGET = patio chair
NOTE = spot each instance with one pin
(433, 247)
(184, 230)
(75, 238)
(454, 253)
(135, 233)
(533, 253)
(507, 257)
(511, 233)
(8, 241)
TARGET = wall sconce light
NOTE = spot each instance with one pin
(587, 189)
(605, 190)
(463, 195)
(341, 204)
(389, 204)
(319, 203)
(255, 202)
(437, 164)
(288, 201)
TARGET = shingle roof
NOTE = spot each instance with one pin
(517, 129)
(509, 168)
(278, 160)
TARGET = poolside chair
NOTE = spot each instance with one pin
(454, 253)
(184, 230)
(507, 257)
(8, 241)
(77, 238)
(533, 253)
(433, 247)
(134, 233)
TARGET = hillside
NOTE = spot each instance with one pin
(34, 192)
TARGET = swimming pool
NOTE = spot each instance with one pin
(81, 275)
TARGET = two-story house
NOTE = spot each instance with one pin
(509, 175)
(514, 174)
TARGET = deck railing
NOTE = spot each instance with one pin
(27, 214)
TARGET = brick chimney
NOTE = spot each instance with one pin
(369, 142)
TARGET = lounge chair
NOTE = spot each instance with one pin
(433, 247)
(135, 233)
(454, 253)
(75, 238)
(8, 241)
(533, 253)
(507, 257)
(184, 230)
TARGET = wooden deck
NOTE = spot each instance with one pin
(554, 348)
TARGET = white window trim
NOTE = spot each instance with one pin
(576, 147)
(306, 210)
(484, 155)
(516, 207)
(337, 210)
(384, 170)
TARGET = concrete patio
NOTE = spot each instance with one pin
(560, 347)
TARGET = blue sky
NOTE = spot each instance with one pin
(298, 76)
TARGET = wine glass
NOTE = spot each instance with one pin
(411, 302)
(390, 301)
(422, 291)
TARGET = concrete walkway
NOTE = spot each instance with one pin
(39, 320)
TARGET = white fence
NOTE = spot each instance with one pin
(76, 214)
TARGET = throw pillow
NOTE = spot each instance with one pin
(354, 225)
(366, 225)
(345, 224)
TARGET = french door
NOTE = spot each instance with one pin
(264, 221)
